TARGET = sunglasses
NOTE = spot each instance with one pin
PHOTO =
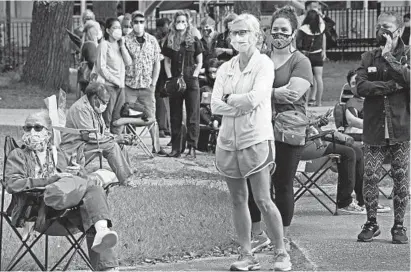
(37, 128)
(240, 33)
(139, 21)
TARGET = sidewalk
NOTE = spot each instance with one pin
(16, 117)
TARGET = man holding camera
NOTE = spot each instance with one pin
(383, 78)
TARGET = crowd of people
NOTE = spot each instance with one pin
(249, 88)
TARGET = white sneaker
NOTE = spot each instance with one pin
(353, 208)
(282, 261)
(104, 240)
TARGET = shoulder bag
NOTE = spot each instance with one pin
(176, 85)
(290, 127)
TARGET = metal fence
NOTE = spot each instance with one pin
(356, 29)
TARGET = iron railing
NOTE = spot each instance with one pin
(355, 30)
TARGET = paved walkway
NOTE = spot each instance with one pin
(16, 117)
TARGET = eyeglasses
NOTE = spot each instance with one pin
(240, 33)
(139, 21)
(102, 101)
(37, 128)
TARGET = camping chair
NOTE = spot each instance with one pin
(58, 225)
(130, 124)
(313, 170)
(207, 141)
(85, 134)
(346, 93)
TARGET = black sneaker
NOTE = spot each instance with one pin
(399, 235)
(369, 230)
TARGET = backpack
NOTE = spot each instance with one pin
(339, 116)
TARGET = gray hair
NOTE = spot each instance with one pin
(95, 88)
(42, 116)
(252, 23)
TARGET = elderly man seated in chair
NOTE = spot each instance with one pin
(36, 165)
(86, 113)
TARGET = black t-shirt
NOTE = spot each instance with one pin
(187, 51)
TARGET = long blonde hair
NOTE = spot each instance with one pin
(175, 38)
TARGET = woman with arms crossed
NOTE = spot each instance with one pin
(241, 94)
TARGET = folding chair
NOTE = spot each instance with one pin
(346, 93)
(313, 170)
(207, 140)
(85, 134)
(57, 224)
(130, 124)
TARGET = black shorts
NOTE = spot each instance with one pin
(316, 59)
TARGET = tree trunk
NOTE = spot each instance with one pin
(105, 9)
(251, 6)
(48, 59)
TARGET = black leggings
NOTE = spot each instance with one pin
(282, 180)
(350, 173)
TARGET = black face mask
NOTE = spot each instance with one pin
(381, 40)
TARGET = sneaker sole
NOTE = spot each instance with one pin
(352, 212)
(250, 268)
(378, 232)
(282, 269)
(261, 246)
(108, 241)
(399, 242)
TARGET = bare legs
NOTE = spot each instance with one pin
(318, 75)
(260, 184)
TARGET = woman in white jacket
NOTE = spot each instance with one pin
(242, 95)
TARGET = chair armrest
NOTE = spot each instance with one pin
(321, 135)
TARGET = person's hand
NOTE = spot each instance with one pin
(323, 121)
(121, 42)
(215, 124)
(323, 55)
(195, 74)
(349, 141)
(152, 88)
(388, 45)
(285, 95)
(123, 138)
(219, 51)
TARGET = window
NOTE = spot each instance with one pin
(77, 6)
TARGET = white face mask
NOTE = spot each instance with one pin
(240, 44)
(138, 28)
(117, 34)
(101, 109)
(180, 26)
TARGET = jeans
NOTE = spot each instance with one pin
(93, 209)
(350, 173)
(145, 98)
(112, 113)
(192, 103)
(117, 158)
(162, 113)
(282, 182)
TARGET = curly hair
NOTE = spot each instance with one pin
(287, 12)
(175, 38)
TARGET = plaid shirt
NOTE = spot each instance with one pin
(140, 73)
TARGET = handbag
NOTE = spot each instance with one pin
(65, 193)
(176, 85)
(290, 127)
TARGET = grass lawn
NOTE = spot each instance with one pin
(156, 223)
(17, 95)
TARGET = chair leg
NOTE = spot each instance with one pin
(46, 251)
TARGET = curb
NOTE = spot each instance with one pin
(305, 254)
